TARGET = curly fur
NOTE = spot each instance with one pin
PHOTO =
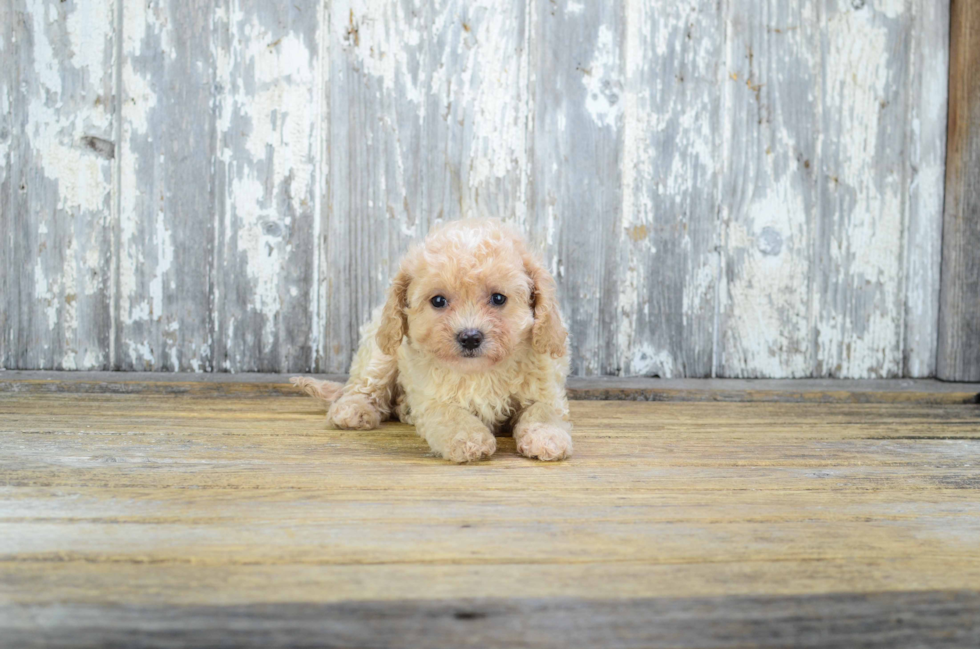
(410, 366)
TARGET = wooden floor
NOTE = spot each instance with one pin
(148, 520)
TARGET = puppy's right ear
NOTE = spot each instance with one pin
(394, 321)
(548, 334)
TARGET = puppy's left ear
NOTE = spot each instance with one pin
(548, 334)
(394, 322)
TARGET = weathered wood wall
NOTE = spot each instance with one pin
(721, 188)
(959, 324)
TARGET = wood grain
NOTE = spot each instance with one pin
(959, 314)
(475, 138)
(267, 184)
(667, 243)
(933, 619)
(826, 258)
(928, 94)
(166, 203)
(721, 189)
(125, 516)
(863, 211)
(8, 81)
(57, 139)
(377, 83)
(769, 203)
(907, 391)
(576, 94)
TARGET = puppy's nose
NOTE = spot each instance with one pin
(470, 338)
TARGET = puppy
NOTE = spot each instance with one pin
(469, 342)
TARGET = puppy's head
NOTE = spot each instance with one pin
(470, 295)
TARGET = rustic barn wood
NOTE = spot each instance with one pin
(605, 388)
(57, 134)
(268, 164)
(935, 619)
(959, 327)
(165, 232)
(748, 189)
(577, 85)
(210, 520)
(928, 63)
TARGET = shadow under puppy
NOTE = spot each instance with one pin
(469, 341)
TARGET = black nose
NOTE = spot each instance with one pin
(470, 338)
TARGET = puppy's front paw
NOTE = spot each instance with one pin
(353, 412)
(546, 442)
(471, 446)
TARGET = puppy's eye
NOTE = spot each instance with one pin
(498, 299)
(439, 302)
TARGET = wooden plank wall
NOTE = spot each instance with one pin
(744, 189)
(959, 328)
(57, 88)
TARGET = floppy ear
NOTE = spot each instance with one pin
(548, 334)
(394, 322)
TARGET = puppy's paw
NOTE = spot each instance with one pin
(471, 446)
(545, 442)
(326, 390)
(353, 412)
(403, 412)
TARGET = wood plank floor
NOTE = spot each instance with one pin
(148, 520)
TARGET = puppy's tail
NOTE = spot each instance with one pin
(325, 390)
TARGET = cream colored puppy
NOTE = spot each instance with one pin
(470, 341)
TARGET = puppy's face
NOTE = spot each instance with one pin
(470, 296)
(470, 307)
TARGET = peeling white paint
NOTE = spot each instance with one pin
(888, 8)
(69, 312)
(139, 99)
(46, 63)
(45, 294)
(768, 294)
(80, 175)
(143, 18)
(164, 256)
(867, 252)
(137, 312)
(55, 131)
(668, 168)
(603, 80)
(68, 188)
(148, 244)
(269, 117)
(649, 77)
(488, 68)
(140, 354)
(379, 33)
(264, 255)
(138, 102)
(929, 61)
(646, 361)
(86, 27)
(92, 360)
(636, 170)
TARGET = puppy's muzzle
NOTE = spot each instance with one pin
(470, 339)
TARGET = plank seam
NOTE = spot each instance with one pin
(116, 201)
